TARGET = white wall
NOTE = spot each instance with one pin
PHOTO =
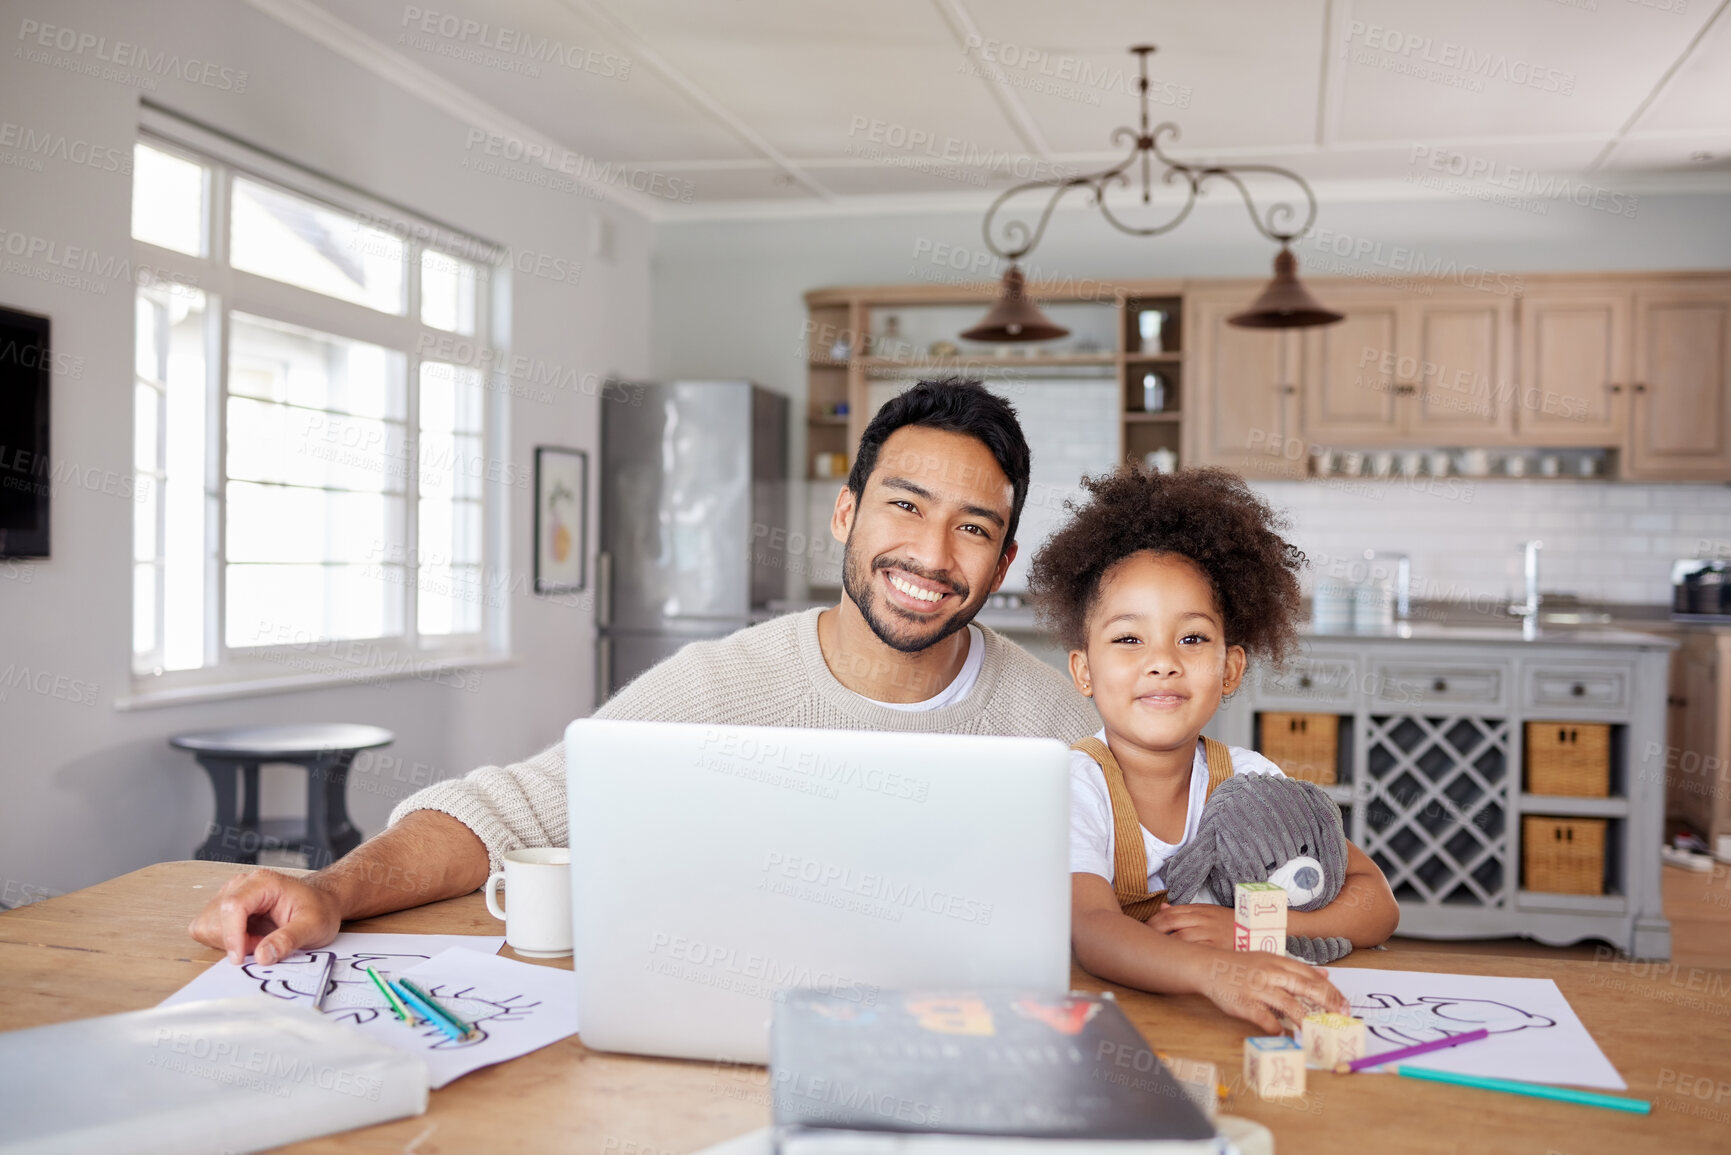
(728, 302)
(86, 791)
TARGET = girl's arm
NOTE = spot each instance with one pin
(1253, 985)
(1364, 911)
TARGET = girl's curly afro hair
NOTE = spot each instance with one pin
(1207, 515)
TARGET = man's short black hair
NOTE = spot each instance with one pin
(953, 405)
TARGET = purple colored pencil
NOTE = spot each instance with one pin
(1408, 1052)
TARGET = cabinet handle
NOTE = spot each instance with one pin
(1304, 682)
(1615, 388)
(1640, 387)
(1406, 389)
(1578, 690)
(1440, 686)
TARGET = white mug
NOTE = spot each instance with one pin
(538, 915)
(1438, 464)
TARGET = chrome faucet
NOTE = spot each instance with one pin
(1529, 609)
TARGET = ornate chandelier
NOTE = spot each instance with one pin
(1284, 304)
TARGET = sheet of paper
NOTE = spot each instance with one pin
(1535, 1034)
(516, 1007)
(351, 997)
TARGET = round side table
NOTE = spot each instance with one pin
(324, 750)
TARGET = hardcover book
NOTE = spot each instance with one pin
(998, 1070)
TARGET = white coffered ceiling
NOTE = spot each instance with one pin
(755, 107)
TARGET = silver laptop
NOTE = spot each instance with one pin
(716, 866)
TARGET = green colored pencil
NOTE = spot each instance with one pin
(397, 1007)
(1536, 1090)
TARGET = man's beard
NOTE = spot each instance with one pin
(892, 629)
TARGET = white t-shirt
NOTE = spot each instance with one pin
(1092, 845)
(959, 688)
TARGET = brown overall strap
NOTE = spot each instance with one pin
(1129, 854)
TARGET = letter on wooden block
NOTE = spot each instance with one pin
(1274, 1066)
(1259, 904)
(1271, 939)
(1331, 1039)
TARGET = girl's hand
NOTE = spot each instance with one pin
(1263, 988)
(1198, 922)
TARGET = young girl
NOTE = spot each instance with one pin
(1163, 586)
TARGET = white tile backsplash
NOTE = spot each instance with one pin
(1605, 541)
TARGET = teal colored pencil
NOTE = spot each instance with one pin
(431, 1014)
(465, 1028)
(1536, 1090)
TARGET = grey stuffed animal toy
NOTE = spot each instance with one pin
(1264, 828)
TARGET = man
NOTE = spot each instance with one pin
(929, 519)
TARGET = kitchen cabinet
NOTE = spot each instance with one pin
(1680, 408)
(1433, 778)
(1410, 369)
(1574, 358)
(1243, 415)
(1695, 762)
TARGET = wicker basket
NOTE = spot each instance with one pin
(1572, 758)
(1305, 746)
(1563, 855)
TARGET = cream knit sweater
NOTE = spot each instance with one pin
(771, 674)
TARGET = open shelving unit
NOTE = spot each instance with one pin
(853, 321)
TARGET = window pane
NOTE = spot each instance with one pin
(171, 336)
(277, 362)
(450, 600)
(144, 617)
(451, 397)
(168, 199)
(301, 605)
(276, 523)
(145, 423)
(309, 447)
(301, 242)
(448, 293)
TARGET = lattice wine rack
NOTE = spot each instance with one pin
(1436, 807)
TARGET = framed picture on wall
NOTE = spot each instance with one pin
(561, 519)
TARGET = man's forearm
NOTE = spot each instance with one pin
(426, 857)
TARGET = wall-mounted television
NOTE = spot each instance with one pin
(24, 472)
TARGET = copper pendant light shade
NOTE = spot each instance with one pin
(1015, 317)
(1285, 303)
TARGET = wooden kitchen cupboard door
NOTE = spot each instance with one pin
(1574, 368)
(1465, 348)
(1241, 413)
(1354, 378)
(1680, 410)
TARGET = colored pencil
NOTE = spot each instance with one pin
(1408, 1052)
(437, 1006)
(429, 1013)
(1536, 1090)
(324, 982)
(397, 1007)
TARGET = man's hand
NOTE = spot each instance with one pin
(1199, 922)
(268, 915)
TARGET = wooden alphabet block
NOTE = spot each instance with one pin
(1274, 1066)
(1331, 1039)
(1271, 939)
(1258, 905)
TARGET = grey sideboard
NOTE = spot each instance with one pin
(1431, 780)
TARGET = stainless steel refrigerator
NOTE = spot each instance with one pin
(692, 473)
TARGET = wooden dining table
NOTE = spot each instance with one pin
(122, 945)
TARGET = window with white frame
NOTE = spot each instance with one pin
(316, 499)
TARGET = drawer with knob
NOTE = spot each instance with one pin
(1438, 684)
(1309, 682)
(1591, 688)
